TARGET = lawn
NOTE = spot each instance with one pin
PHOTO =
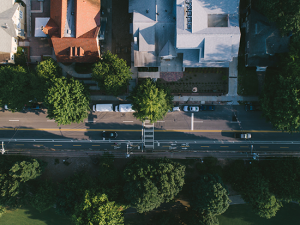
(243, 215)
(30, 216)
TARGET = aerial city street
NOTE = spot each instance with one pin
(141, 106)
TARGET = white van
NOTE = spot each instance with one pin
(103, 108)
(124, 108)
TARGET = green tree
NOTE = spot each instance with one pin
(148, 183)
(112, 74)
(151, 101)
(72, 190)
(26, 170)
(15, 88)
(48, 69)
(283, 175)
(14, 174)
(96, 209)
(286, 13)
(256, 192)
(110, 179)
(280, 102)
(67, 101)
(44, 196)
(209, 196)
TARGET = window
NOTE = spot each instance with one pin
(247, 26)
(21, 14)
(15, 48)
(15, 40)
(12, 57)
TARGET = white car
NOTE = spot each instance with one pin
(176, 109)
(191, 108)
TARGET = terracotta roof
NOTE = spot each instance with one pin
(83, 48)
(87, 16)
(88, 49)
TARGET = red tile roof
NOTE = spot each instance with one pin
(84, 47)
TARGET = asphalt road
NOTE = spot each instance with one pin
(198, 131)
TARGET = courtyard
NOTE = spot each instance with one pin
(199, 81)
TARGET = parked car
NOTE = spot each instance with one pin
(33, 106)
(252, 107)
(207, 108)
(109, 134)
(242, 135)
(191, 108)
(176, 109)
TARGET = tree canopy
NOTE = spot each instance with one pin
(43, 196)
(280, 102)
(67, 101)
(257, 194)
(48, 69)
(15, 88)
(151, 101)
(148, 183)
(112, 74)
(285, 13)
(209, 196)
(96, 209)
(14, 173)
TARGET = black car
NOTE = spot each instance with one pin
(207, 108)
(252, 108)
(109, 134)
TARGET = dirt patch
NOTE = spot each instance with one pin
(58, 172)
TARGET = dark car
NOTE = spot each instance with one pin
(33, 106)
(109, 134)
(207, 107)
(252, 108)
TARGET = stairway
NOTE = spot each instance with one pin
(148, 134)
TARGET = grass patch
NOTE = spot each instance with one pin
(83, 68)
(243, 215)
(30, 216)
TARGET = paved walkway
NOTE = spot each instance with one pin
(236, 199)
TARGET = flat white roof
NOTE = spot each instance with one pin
(39, 23)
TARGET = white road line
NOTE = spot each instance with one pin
(89, 121)
(192, 121)
(127, 121)
(198, 121)
(50, 120)
(13, 120)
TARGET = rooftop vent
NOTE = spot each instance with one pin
(76, 51)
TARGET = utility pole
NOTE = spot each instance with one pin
(2, 150)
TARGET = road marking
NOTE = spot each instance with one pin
(204, 146)
(127, 121)
(95, 145)
(57, 145)
(192, 121)
(224, 146)
(138, 130)
(263, 146)
(284, 147)
(76, 145)
(50, 120)
(198, 121)
(89, 121)
(13, 120)
(244, 146)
